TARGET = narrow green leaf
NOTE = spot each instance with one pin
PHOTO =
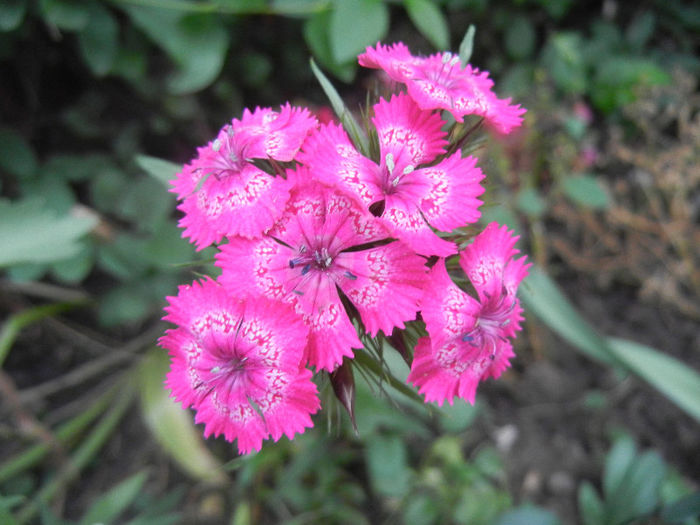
(676, 380)
(117, 500)
(162, 170)
(356, 24)
(430, 21)
(541, 296)
(172, 426)
(349, 123)
(467, 45)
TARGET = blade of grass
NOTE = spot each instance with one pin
(16, 322)
(542, 296)
(349, 123)
(65, 433)
(677, 381)
(85, 453)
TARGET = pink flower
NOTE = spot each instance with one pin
(468, 337)
(440, 82)
(239, 365)
(267, 133)
(223, 193)
(408, 186)
(323, 242)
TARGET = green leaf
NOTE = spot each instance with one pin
(590, 505)
(430, 21)
(356, 24)
(617, 463)
(541, 296)
(196, 42)
(70, 15)
(124, 304)
(530, 201)
(528, 515)
(676, 380)
(564, 61)
(346, 118)
(30, 233)
(117, 500)
(467, 46)
(16, 155)
(640, 30)
(316, 36)
(586, 190)
(638, 492)
(520, 38)
(171, 425)
(99, 40)
(387, 465)
(162, 170)
(12, 13)
(75, 269)
(683, 509)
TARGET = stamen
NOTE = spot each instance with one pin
(298, 292)
(390, 162)
(350, 275)
(216, 145)
(408, 169)
(454, 60)
(305, 269)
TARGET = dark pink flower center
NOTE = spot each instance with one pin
(495, 314)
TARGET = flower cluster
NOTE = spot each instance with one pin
(321, 237)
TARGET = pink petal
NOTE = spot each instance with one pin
(452, 199)
(331, 158)
(409, 226)
(331, 337)
(384, 283)
(408, 133)
(278, 135)
(448, 312)
(246, 203)
(485, 259)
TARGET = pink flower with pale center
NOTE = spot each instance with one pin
(440, 82)
(326, 242)
(239, 365)
(412, 191)
(469, 337)
(223, 193)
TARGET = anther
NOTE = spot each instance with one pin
(350, 275)
(390, 162)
